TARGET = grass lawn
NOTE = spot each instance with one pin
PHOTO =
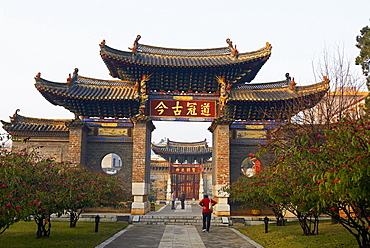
(22, 235)
(290, 236)
(158, 206)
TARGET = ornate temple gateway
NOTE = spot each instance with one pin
(155, 83)
(188, 167)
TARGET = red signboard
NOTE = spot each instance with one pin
(185, 170)
(182, 108)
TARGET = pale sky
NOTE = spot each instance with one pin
(54, 37)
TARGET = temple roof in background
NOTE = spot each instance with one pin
(183, 151)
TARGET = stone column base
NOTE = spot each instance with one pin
(222, 198)
(141, 205)
(222, 208)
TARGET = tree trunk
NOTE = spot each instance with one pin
(73, 218)
(43, 226)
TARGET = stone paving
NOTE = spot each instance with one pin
(178, 236)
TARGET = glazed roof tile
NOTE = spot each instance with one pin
(276, 91)
(29, 124)
(184, 69)
(89, 88)
(173, 147)
(159, 56)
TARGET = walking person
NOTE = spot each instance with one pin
(207, 212)
(182, 199)
(173, 200)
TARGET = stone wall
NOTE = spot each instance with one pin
(97, 150)
(158, 179)
(238, 152)
(56, 148)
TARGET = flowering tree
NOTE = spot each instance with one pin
(344, 178)
(85, 189)
(253, 191)
(14, 191)
(286, 185)
(35, 186)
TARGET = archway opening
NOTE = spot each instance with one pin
(181, 159)
(111, 163)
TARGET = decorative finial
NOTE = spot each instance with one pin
(102, 43)
(69, 78)
(232, 49)
(75, 73)
(235, 50)
(287, 76)
(326, 79)
(230, 43)
(293, 83)
(38, 75)
(136, 44)
(268, 45)
(16, 113)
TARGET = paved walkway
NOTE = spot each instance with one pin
(175, 236)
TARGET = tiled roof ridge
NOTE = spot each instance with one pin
(99, 82)
(187, 143)
(288, 91)
(181, 52)
(32, 120)
(81, 80)
(261, 86)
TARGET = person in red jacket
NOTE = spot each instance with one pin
(206, 212)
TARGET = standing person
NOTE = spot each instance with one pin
(173, 200)
(206, 212)
(182, 199)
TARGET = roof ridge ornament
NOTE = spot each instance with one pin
(69, 78)
(224, 94)
(143, 94)
(232, 48)
(15, 115)
(136, 44)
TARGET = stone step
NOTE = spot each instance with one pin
(177, 220)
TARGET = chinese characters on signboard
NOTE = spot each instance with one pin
(185, 170)
(113, 131)
(251, 134)
(181, 108)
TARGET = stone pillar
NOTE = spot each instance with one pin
(221, 164)
(78, 131)
(142, 131)
(201, 187)
(168, 189)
